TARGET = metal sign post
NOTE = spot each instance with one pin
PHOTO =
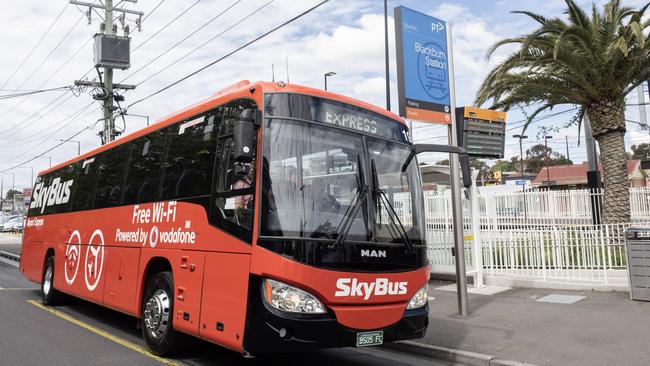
(456, 206)
(425, 73)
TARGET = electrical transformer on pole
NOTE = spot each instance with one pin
(110, 52)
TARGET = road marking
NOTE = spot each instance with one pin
(103, 333)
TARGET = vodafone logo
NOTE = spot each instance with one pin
(94, 260)
(72, 257)
(352, 287)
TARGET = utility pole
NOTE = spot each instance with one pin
(548, 174)
(521, 153)
(109, 121)
(566, 139)
(111, 51)
(523, 175)
(642, 113)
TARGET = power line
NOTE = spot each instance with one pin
(152, 11)
(45, 152)
(230, 53)
(23, 94)
(74, 117)
(165, 26)
(43, 62)
(206, 42)
(182, 40)
(22, 63)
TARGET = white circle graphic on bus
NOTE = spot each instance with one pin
(94, 260)
(72, 257)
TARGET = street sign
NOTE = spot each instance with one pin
(422, 67)
(521, 182)
(482, 132)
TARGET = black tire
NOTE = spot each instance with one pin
(157, 316)
(49, 294)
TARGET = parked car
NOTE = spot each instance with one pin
(12, 225)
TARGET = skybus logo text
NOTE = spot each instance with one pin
(381, 287)
(55, 194)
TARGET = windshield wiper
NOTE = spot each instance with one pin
(355, 204)
(380, 196)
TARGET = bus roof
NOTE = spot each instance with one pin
(218, 98)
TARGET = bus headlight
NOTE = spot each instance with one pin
(419, 299)
(290, 299)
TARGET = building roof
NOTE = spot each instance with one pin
(564, 175)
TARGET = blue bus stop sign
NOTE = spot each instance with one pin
(422, 67)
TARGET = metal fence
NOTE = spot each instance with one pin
(552, 208)
(543, 235)
(578, 252)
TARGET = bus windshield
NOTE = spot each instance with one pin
(314, 176)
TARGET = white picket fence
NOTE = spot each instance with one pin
(569, 207)
(542, 235)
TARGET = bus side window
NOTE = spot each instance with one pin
(66, 174)
(84, 187)
(111, 176)
(145, 168)
(189, 160)
(233, 199)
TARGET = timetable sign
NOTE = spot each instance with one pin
(482, 132)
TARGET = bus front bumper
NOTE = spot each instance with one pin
(270, 331)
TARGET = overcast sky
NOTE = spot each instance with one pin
(342, 36)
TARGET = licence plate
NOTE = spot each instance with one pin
(366, 339)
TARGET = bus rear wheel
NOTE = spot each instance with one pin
(49, 294)
(157, 315)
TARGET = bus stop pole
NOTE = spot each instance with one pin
(456, 204)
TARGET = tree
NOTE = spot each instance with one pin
(10, 194)
(474, 163)
(641, 151)
(536, 158)
(503, 166)
(588, 61)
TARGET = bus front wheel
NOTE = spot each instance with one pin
(49, 294)
(157, 315)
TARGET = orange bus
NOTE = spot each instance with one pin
(269, 217)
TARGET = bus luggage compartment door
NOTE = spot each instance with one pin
(225, 290)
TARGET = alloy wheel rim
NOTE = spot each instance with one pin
(47, 281)
(156, 314)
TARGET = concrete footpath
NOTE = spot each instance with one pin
(536, 326)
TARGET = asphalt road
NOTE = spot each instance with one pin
(82, 333)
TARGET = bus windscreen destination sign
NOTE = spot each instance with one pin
(481, 132)
(422, 67)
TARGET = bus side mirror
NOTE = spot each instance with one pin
(244, 139)
(463, 158)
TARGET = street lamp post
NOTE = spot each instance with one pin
(331, 73)
(48, 157)
(13, 188)
(548, 174)
(32, 177)
(140, 115)
(78, 144)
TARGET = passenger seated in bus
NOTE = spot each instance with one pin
(323, 200)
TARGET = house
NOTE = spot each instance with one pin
(575, 176)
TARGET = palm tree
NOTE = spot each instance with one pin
(589, 61)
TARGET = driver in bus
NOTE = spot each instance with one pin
(323, 200)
